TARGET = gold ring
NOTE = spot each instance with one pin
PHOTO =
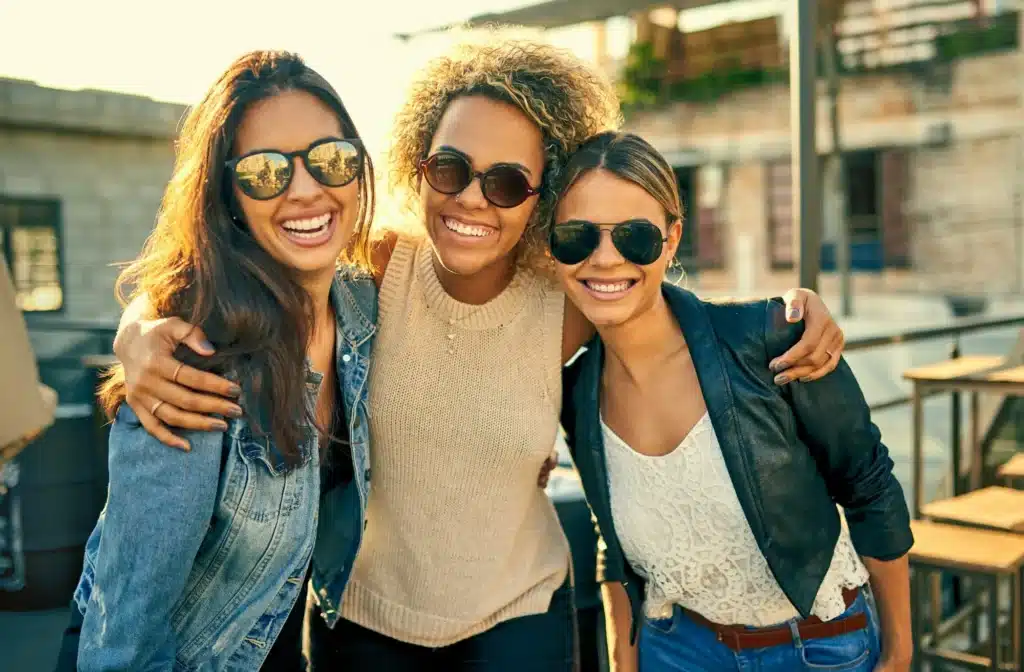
(829, 353)
(177, 371)
(153, 410)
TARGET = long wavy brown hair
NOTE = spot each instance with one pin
(202, 264)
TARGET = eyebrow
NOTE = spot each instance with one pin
(260, 150)
(631, 220)
(511, 164)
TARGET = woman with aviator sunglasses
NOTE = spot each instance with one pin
(715, 490)
(198, 560)
(462, 563)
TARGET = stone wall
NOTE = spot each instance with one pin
(106, 157)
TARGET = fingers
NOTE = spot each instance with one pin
(153, 425)
(203, 381)
(172, 415)
(801, 350)
(188, 399)
(819, 363)
(194, 338)
(156, 380)
(545, 471)
(835, 351)
(796, 304)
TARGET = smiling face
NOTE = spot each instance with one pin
(608, 289)
(307, 227)
(469, 234)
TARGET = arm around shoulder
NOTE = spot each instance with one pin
(159, 506)
(834, 420)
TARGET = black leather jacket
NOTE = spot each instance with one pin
(792, 452)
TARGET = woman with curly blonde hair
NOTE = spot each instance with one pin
(462, 563)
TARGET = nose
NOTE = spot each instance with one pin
(606, 255)
(303, 187)
(472, 197)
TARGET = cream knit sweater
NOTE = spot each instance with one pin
(464, 407)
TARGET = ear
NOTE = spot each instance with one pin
(675, 234)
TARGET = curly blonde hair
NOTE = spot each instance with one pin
(567, 100)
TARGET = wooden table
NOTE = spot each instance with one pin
(972, 374)
(996, 508)
(1013, 469)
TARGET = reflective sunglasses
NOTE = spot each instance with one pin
(639, 241)
(266, 174)
(503, 186)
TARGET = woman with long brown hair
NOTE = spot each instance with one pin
(198, 559)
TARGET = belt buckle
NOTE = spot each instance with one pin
(730, 639)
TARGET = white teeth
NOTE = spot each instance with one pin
(609, 287)
(303, 225)
(466, 229)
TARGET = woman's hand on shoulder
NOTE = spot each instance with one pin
(164, 391)
(817, 352)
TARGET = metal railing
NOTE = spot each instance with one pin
(955, 329)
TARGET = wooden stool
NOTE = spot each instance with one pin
(1013, 469)
(996, 508)
(987, 556)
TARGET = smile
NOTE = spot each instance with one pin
(608, 290)
(469, 230)
(310, 231)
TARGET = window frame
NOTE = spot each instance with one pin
(57, 226)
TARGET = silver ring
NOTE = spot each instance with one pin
(177, 371)
(156, 406)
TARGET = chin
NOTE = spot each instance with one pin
(464, 262)
(608, 318)
(315, 264)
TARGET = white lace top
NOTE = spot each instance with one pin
(682, 529)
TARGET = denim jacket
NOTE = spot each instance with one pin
(792, 453)
(198, 558)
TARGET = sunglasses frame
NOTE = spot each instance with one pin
(600, 229)
(231, 165)
(480, 175)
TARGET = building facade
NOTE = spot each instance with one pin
(81, 178)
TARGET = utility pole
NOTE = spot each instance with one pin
(834, 192)
(807, 209)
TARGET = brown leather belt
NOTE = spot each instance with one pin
(740, 638)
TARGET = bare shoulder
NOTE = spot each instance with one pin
(381, 250)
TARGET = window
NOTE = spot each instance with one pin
(687, 251)
(876, 186)
(700, 247)
(30, 243)
(779, 210)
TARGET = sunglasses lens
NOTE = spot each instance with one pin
(447, 173)
(263, 176)
(573, 243)
(505, 186)
(334, 163)
(638, 242)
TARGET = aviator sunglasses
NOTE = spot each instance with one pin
(450, 173)
(266, 173)
(639, 241)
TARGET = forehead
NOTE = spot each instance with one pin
(287, 121)
(604, 198)
(490, 132)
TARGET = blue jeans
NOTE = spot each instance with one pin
(678, 644)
